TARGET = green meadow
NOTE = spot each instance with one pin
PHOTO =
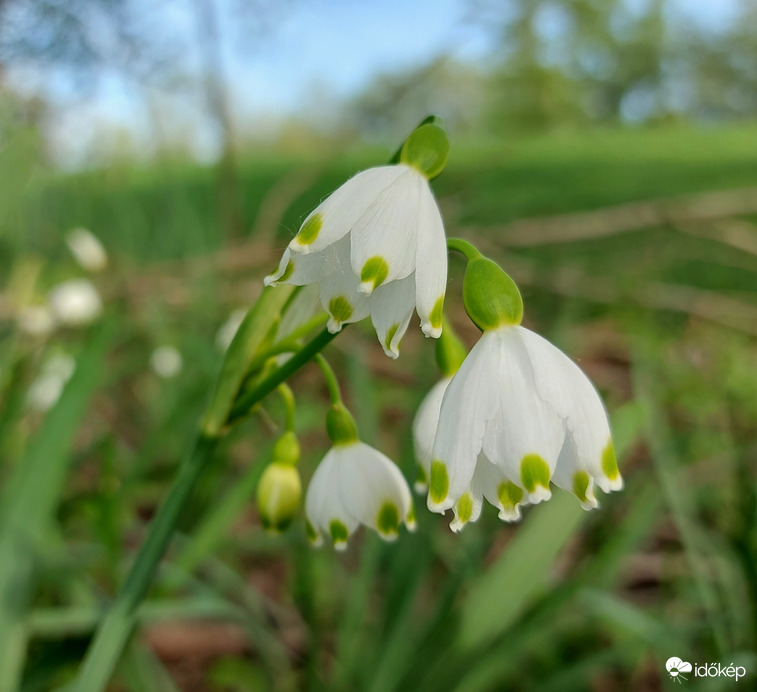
(636, 253)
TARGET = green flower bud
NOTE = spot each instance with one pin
(279, 494)
(426, 149)
(287, 449)
(340, 425)
(450, 352)
(490, 296)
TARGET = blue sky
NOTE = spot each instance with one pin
(327, 47)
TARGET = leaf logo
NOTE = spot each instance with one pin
(676, 667)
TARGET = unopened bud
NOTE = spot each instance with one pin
(279, 494)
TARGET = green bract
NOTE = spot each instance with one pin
(287, 449)
(490, 296)
(427, 150)
(340, 425)
(279, 493)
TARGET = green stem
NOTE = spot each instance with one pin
(287, 396)
(114, 631)
(470, 251)
(246, 401)
(330, 376)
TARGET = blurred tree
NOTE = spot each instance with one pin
(177, 45)
(568, 62)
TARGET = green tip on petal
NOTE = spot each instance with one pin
(610, 462)
(339, 534)
(465, 508)
(490, 296)
(439, 483)
(388, 520)
(313, 536)
(373, 274)
(340, 309)
(534, 473)
(310, 230)
(388, 340)
(426, 150)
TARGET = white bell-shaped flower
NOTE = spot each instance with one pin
(518, 415)
(356, 484)
(376, 246)
(425, 425)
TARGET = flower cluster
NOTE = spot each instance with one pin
(506, 422)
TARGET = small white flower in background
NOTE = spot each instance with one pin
(424, 431)
(226, 332)
(376, 246)
(356, 484)
(45, 391)
(166, 361)
(87, 249)
(75, 302)
(36, 320)
(518, 414)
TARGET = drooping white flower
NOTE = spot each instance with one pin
(356, 484)
(518, 415)
(166, 361)
(75, 302)
(45, 391)
(425, 424)
(87, 250)
(36, 320)
(376, 246)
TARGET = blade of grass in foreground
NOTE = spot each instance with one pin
(30, 501)
(524, 567)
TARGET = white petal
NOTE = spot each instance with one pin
(506, 496)
(339, 294)
(391, 308)
(300, 270)
(528, 435)
(387, 232)
(467, 508)
(424, 428)
(323, 505)
(570, 476)
(564, 385)
(372, 488)
(430, 264)
(304, 307)
(468, 406)
(339, 212)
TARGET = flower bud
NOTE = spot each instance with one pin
(340, 425)
(490, 296)
(279, 494)
(426, 150)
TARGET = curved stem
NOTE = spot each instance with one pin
(330, 376)
(115, 628)
(470, 251)
(248, 399)
(287, 396)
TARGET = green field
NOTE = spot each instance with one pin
(658, 302)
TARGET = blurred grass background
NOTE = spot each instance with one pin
(636, 251)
